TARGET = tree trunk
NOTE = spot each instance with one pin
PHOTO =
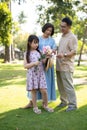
(12, 52)
(81, 52)
(84, 37)
(7, 54)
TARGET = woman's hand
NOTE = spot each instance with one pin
(48, 56)
(54, 51)
(44, 60)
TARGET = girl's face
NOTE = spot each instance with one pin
(34, 45)
(48, 32)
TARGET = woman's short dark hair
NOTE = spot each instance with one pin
(46, 26)
(67, 20)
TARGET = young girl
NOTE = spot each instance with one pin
(35, 73)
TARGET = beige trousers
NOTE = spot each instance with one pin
(66, 88)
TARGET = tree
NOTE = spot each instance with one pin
(9, 46)
(82, 34)
(7, 1)
(20, 41)
(6, 26)
(57, 9)
(22, 18)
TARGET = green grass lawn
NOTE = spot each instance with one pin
(13, 97)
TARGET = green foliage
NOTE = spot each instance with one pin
(20, 41)
(79, 46)
(19, 1)
(15, 28)
(5, 1)
(5, 24)
(22, 18)
(56, 11)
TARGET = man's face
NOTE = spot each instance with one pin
(64, 28)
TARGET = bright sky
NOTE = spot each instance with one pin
(29, 9)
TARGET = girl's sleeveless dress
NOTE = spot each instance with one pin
(35, 75)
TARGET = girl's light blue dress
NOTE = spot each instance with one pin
(50, 77)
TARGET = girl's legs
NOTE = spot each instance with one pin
(45, 100)
(34, 99)
(33, 92)
(44, 97)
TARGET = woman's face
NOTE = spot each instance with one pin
(48, 32)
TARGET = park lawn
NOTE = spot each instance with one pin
(13, 97)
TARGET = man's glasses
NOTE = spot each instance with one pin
(63, 26)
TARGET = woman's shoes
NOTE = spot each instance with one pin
(36, 110)
(29, 105)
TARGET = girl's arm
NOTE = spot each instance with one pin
(29, 65)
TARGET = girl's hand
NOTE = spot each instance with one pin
(36, 63)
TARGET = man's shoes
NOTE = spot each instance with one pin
(62, 105)
(70, 109)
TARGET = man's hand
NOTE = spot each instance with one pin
(60, 55)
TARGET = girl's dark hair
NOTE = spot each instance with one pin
(30, 39)
(46, 26)
(67, 20)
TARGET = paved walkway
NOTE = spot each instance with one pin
(78, 81)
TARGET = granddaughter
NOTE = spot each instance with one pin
(35, 74)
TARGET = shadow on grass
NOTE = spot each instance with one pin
(11, 82)
(9, 74)
(8, 77)
(5, 66)
(21, 119)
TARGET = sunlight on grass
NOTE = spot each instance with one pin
(82, 96)
(13, 96)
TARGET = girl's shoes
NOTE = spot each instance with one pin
(36, 110)
(48, 109)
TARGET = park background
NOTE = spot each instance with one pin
(19, 19)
